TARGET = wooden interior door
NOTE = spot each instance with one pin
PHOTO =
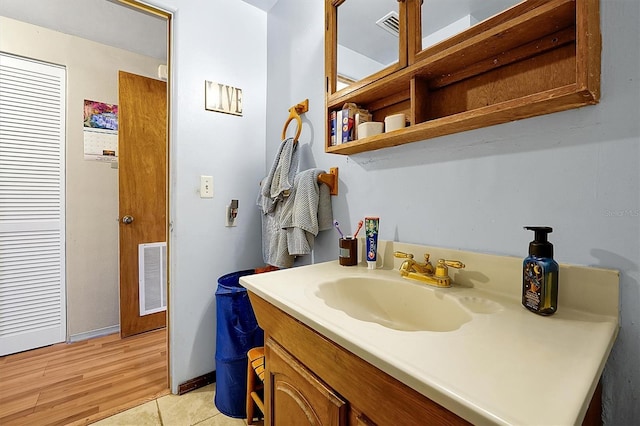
(142, 185)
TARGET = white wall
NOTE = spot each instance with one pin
(91, 187)
(222, 41)
(577, 171)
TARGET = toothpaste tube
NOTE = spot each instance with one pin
(371, 237)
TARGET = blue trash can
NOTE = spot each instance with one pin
(237, 332)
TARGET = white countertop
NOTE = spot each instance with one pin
(507, 367)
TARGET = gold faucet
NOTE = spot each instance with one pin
(425, 272)
(411, 265)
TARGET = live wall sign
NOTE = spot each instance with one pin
(222, 98)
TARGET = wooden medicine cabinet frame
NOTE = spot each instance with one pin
(535, 58)
(331, 48)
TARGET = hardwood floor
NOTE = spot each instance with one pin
(79, 383)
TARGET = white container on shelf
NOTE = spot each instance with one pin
(394, 122)
(369, 128)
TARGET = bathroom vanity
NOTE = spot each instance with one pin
(335, 387)
(352, 346)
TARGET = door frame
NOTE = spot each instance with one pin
(150, 8)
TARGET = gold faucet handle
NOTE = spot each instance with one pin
(402, 255)
(454, 264)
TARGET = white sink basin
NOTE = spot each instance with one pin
(470, 326)
(397, 305)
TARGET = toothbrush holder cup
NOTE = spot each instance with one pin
(348, 255)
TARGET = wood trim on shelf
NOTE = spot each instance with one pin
(539, 103)
(589, 47)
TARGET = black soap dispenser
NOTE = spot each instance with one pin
(540, 274)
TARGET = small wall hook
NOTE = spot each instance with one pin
(232, 213)
(233, 210)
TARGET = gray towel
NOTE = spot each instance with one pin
(306, 212)
(294, 208)
(278, 183)
(275, 188)
(274, 240)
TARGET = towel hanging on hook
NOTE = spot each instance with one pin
(294, 114)
(330, 179)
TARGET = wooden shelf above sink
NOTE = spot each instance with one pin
(535, 58)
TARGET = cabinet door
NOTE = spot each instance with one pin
(295, 396)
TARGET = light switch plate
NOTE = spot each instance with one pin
(206, 186)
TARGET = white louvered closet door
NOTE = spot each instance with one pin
(32, 140)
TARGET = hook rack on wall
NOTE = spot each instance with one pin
(330, 179)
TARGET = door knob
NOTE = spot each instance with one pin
(127, 219)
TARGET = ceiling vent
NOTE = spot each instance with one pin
(390, 23)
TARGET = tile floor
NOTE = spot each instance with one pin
(193, 408)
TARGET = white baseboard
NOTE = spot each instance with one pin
(94, 333)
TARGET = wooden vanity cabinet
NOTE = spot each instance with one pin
(296, 396)
(311, 380)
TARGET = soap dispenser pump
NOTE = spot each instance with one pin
(540, 274)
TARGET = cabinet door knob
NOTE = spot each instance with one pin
(127, 219)
(364, 421)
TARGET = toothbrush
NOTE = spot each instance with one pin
(358, 230)
(336, 225)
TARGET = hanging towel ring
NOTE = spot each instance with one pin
(294, 113)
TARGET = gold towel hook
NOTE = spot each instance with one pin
(294, 113)
(330, 179)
